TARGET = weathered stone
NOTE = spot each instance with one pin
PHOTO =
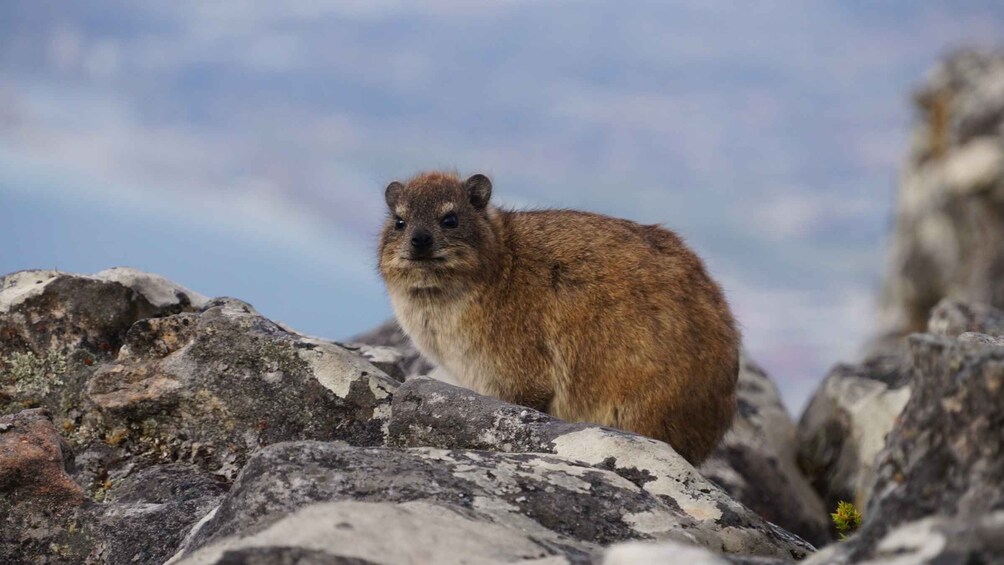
(389, 334)
(755, 462)
(563, 508)
(49, 310)
(40, 505)
(43, 512)
(954, 317)
(950, 217)
(430, 413)
(945, 455)
(660, 553)
(936, 540)
(147, 516)
(939, 480)
(206, 387)
(845, 424)
(180, 401)
(351, 533)
(33, 459)
(212, 387)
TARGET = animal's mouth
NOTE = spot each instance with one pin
(427, 259)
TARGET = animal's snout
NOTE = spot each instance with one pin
(421, 240)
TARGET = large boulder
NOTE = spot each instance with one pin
(938, 483)
(45, 514)
(683, 504)
(130, 365)
(151, 399)
(950, 214)
(945, 455)
(41, 311)
(463, 506)
(213, 386)
(936, 540)
(846, 423)
(755, 462)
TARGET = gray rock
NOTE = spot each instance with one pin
(410, 362)
(160, 421)
(756, 461)
(930, 541)
(430, 413)
(550, 508)
(44, 513)
(660, 553)
(954, 317)
(147, 516)
(49, 310)
(950, 216)
(945, 455)
(158, 402)
(938, 483)
(211, 387)
(845, 424)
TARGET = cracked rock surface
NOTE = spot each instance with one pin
(142, 422)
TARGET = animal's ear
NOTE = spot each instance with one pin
(479, 190)
(393, 191)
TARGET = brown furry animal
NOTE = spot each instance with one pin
(583, 316)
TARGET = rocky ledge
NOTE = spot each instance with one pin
(143, 423)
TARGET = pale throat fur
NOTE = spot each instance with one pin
(437, 299)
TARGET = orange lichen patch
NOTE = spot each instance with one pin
(121, 387)
(31, 459)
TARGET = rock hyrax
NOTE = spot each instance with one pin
(583, 316)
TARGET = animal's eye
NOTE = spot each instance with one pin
(449, 221)
(398, 223)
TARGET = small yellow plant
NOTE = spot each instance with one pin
(847, 519)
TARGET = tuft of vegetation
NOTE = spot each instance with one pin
(846, 519)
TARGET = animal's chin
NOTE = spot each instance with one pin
(426, 261)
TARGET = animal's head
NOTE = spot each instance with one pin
(437, 231)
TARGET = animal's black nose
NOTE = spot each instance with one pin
(421, 240)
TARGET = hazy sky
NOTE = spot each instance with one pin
(242, 148)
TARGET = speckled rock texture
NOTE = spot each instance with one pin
(553, 508)
(124, 376)
(945, 455)
(40, 504)
(849, 417)
(151, 422)
(950, 214)
(845, 424)
(755, 463)
(939, 480)
(937, 540)
(408, 363)
(431, 413)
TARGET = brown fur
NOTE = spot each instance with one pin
(586, 317)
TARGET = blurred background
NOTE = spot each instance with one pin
(242, 148)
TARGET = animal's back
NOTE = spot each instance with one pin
(637, 334)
